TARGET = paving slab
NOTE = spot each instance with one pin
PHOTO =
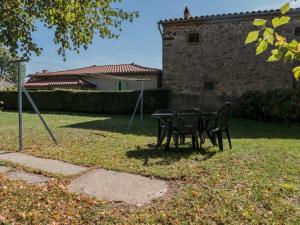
(48, 165)
(4, 169)
(119, 187)
(30, 178)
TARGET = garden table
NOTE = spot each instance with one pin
(167, 118)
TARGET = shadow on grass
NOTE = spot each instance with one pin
(240, 128)
(119, 124)
(250, 129)
(167, 157)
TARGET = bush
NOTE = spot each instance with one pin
(87, 101)
(274, 105)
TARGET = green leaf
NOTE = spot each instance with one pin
(296, 69)
(259, 22)
(289, 56)
(252, 36)
(276, 56)
(279, 21)
(293, 44)
(285, 8)
(296, 72)
(269, 35)
(262, 47)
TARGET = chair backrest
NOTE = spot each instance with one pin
(224, 114)
(187, 121)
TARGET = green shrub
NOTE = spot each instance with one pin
(88, 101)
(275, 105)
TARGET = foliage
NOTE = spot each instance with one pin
(10, 70)
(75, 23)
(88, 101)
(257, 182)
(274, 105)
(269, 36)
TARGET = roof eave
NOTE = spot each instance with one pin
(229, 17)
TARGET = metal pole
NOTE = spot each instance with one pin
(35, 109)
(20, 107)
(135, 109)
(142, 101)
(39, 115)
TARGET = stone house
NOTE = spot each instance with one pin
(206, 61)
(105, 78)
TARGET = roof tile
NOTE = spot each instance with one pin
(98, 70)
(58, 82)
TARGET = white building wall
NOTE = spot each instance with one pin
(106, 84)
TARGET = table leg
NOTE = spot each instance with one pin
(158, 132)
(169, 135)
(161, 138)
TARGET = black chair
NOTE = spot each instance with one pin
(162, 125)
(222, 125)
(200, 124)
(186, 123)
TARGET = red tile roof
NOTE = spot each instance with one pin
(58, 82)
(122, 69)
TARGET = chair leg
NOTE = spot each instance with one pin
(228, 137)
(197, 141)
(193, 141)
(214, 139)
(182, 139)
(220, 140)
(202, 138)
(176, 141)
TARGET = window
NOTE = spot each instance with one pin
(209, 86)
(122, 85)
(194, 37)
(297, 31)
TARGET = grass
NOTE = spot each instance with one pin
(257, 182)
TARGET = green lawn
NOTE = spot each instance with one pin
(257, 182)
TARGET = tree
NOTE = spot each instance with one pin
(75, 23)
(10, 70)
(268, 37)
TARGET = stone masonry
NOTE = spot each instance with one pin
(219, 66)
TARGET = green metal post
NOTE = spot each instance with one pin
(20, 107)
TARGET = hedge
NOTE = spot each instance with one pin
(281, 105)
(88, 101)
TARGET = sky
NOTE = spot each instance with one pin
(140, 42)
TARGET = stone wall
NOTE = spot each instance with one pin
(220, 57)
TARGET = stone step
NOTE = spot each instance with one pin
(48, 165)
(30, 178)
(119, 187)
(4, 169)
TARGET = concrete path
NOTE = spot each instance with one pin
(4, 169)
(119, 187)
(48, 165)
(99, 183)
(30, 178)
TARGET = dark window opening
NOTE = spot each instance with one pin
(209, 86)
(122, 85)
(297, 31)
(194, 37)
